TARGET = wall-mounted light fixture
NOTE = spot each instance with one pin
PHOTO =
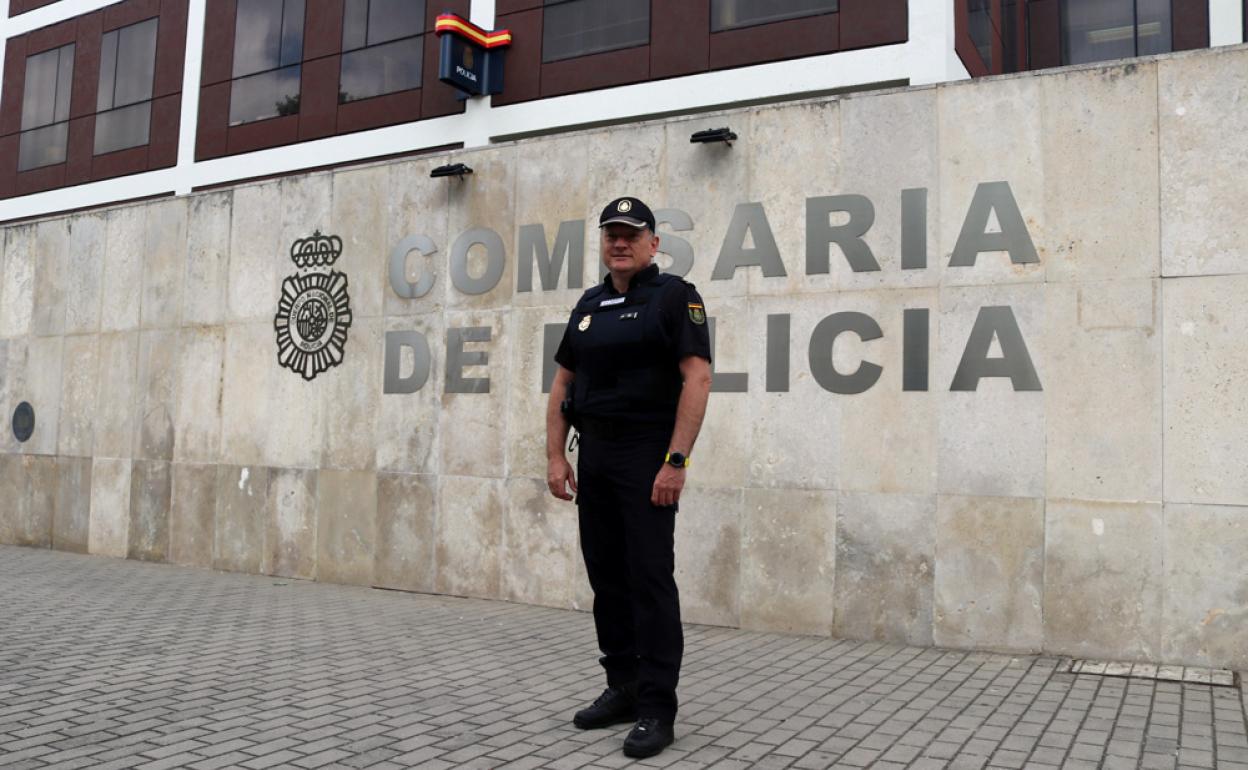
(451, 169)
(724, 135)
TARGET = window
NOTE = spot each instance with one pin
(1098, 30)
(45, 108)
(572, 28)
(979, 23)
(268, 49)
(382, 44)
(124, 100)
(732, 14)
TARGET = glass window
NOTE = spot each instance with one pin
(268, 46)
(383, 44)
(979, 24)
(45, 108)
(572, 28)
(127, 69)
(1099, 30)
(731, 14)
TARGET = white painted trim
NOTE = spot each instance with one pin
(1226, 22)
(192, 68)
(50, 14)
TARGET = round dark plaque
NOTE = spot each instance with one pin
(23, 421)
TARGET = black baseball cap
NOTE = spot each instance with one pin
(627, 211)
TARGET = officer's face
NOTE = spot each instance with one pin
(627, 250)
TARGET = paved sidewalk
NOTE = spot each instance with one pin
(108, 663)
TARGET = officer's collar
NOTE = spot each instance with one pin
(640, 277)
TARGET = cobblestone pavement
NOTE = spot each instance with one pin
(109, 663)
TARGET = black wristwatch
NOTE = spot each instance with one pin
(676, 460)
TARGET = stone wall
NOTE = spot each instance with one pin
(1104, 514)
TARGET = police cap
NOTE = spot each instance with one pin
(627, 211)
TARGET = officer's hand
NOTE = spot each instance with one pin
(667, 486)
(559, 477)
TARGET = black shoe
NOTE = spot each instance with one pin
(614, 706)
(648, 737)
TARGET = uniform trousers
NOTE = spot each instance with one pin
(628, 547)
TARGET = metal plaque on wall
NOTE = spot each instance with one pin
(314, 310)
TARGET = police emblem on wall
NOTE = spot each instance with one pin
(314, 311)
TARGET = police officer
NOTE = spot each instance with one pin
(633, 377)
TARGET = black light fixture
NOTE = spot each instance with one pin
(451, 169)
(724, 135)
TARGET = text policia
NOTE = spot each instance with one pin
(409, 359)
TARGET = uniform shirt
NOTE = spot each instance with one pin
(682, 326)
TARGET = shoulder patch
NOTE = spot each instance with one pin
(697, 313)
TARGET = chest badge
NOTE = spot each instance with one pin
(584, 324)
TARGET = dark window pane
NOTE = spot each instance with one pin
(579, 27)
(292, 33)
(267, 34)
(394, 19)
(355, 25)
(1010, 30)
(42, 146)
(45, 98)
(979, 25)
(1097, 30)
(123, 128)
(381, 69)
(731, 14)
(266, 95)
(136, 63)
(1154, 31)
(108, 71)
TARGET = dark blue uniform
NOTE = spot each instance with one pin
(624, 351)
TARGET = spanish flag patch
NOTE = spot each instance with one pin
(697, 313)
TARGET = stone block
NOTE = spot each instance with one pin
(884, 562)
(526, 403)
(473, 426)
(84, 276)
(110, 507)
(207, 258)
(1103, 579)
(30, 483)
(359, 217)
(469, 537)
(151, 491)
(1205, 614)
(1102, 398)
(992, 438)
(548, 194)
(721, 455)
(708, 555)
(79, 381)
(407, 424)
(486, 201)
(71, 519)
(258, 261)
(198, 394)
(788, 560)
(407, 516)
(17, 292)
(296, 408)
(1206, 413)
(351, 398)
(707, 182)
(969, 159)
(626, 160)
(51, 266)
(247, 376)
(242, 518)
(164, 264)
(1100, 172)
(157, 394)
(989, 579)
(43, 391)
(125, 243)
(290, 539)
(193, 515)
(773, 166)
(417, 205)
(115, 415)
(539, 545)
(888, 144)
(346, 526)
(1203, 156)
